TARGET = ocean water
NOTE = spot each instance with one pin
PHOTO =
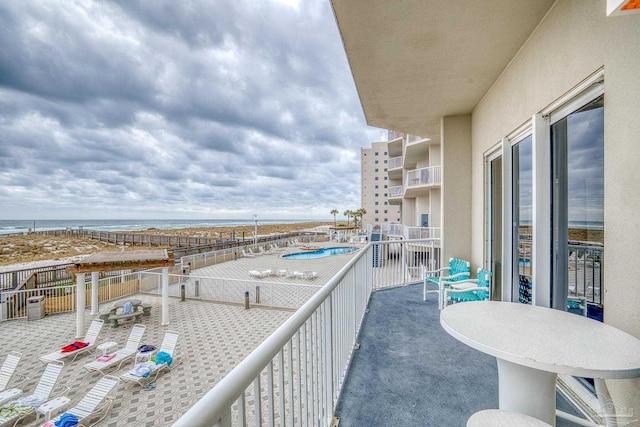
(23, 226)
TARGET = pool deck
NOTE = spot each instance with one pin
(213, 338)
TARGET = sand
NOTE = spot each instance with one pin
(34, 250)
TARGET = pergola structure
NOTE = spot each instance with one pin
(112, 261)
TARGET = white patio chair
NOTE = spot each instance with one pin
(95, 403)
(7, 372)
(17, 410)
(256, 274)
(91, 337)
(119, 356)
(169, 343)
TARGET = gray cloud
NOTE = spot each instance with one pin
(176, 109)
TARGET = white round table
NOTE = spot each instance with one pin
(535, 344)
(500, 418)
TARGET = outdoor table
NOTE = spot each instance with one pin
(533, 345)
(499, 418)
(108, 347)
(52, 407)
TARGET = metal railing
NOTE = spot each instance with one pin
(585, 272)
(394, 163)
(395, 191)
(295, 376)
(424, 176)
(264, 293)
(62, 298)
(415, 138)
(392, 134)
(412, 233)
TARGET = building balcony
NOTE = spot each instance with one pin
(394, 146)
(393, 135)
(394, 168)
(420, 181)
(325, 361)
(395, 195)
(416, 148)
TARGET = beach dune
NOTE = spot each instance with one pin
(25, 251)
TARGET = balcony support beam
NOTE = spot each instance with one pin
(456, 187)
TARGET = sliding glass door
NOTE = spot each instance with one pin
(522, 278)
(577, 147)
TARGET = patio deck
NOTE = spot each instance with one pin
(409, 372)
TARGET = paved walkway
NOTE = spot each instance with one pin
(213, 339)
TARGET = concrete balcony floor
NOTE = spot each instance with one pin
(409, 372)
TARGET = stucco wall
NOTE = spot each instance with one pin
(575, 40)
(456, 188)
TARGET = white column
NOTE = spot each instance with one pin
(94, 292)
(165, 297)
(528, 391)
(80, 305)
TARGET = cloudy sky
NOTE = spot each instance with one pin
(176, 109)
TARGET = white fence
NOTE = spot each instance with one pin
(265, 293)
(61, 299)
(295, 376)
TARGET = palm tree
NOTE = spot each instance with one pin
(348, 214)
(360, 213)
(334, 212)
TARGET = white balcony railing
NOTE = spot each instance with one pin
(395, 163)
(295, 376)
(421, 232)
(392, 134)
(395, 191)
(424, 176)
(414, 138)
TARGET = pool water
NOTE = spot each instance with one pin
(320, 253)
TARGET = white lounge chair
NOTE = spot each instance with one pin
(256, 274)
(296, 275)
(95, 403)
(17, 410)
(119, 357)
(310, 275)
(247, 254)
(256, 251)
(91, 337)
(7, 372)
(169, 343)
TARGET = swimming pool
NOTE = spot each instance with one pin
(320, 253)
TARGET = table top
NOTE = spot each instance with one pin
(497, 418)
(53, 403)
(545, 339)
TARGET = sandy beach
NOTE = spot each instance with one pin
(34, 250)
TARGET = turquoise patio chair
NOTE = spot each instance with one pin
(458, 269)
(469, 290)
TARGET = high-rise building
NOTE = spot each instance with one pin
(375, 186)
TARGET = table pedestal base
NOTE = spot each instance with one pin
(527, 390)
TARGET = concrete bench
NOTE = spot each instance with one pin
(146, 309)
(115, 318)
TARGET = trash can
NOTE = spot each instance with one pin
(35, 307)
